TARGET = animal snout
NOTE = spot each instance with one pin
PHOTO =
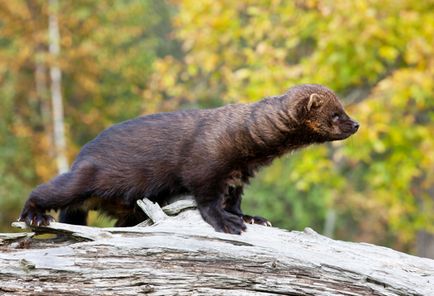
(355, 125)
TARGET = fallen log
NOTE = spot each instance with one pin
(183, 255)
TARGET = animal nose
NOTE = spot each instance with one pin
(355, 125)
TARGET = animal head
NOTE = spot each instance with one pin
(320, 112)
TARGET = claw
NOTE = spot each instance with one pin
(36, 219)
(256, 220)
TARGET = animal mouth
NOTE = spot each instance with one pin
(348, 129)
(344, 135)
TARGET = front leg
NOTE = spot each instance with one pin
(212, 212)
(233, 205)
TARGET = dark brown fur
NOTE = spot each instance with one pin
(208, 153)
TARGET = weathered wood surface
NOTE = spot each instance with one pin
(182, 255)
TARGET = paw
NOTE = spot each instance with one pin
(36, 219)
(256, 220)
(223, 221)
(231, 223)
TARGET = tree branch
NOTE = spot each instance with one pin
(183, 255)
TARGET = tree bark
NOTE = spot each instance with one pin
(183, 255)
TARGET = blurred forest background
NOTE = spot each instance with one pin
(119, 59)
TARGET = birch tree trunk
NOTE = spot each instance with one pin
(41, 72)
(56, 89)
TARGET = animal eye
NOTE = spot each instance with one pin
(335, 117)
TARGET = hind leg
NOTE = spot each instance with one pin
(62, 191)
(73, 216)
(130, 219)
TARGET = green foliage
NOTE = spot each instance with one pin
(121, 58)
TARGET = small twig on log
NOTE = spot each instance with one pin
(179, 206)
(152, 210)
(76, 231)
(15, 236)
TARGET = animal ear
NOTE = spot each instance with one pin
(315, 101)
